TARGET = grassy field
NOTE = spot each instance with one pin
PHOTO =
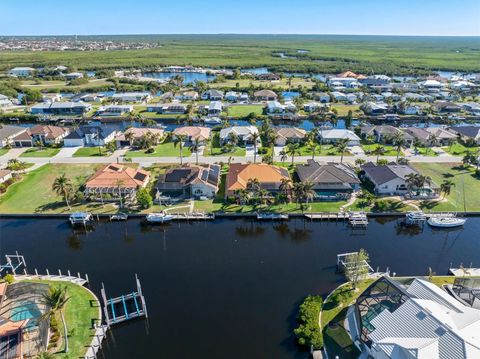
(167, 149)
(459, 175)
(244, 111)
(389, 150)
(64, 86)
(80, 312)
(327, 53)
(342, 110)
(91, 152)
(33, 194)
(44, 152)
(457, 149)
(3, 151)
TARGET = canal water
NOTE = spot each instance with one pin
(228, 288)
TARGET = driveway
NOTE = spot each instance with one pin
(67, 152)
(356, 150)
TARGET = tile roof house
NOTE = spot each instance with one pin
(413, 320)
(265, 95)
(8, 133)
(191, 180)
(90, 136)
(193, 133)
(335, 135)
(114, 177)
(331, 181)
(284, 135)
(447, 106)
(269, 177)
(444, 136)
(47, 135)
(244, 134)
(136, 133)
(383, 133)
(467, 133)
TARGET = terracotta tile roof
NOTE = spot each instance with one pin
(50, 132)
(352, 75)
(194, 132)
(290, 132)
(239, 174)
(139, 132)
(111, 174)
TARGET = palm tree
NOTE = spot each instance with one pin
(179, 140)
(416, 144)
(255, 137)
(378, 151)
(283, 156)
(292, 150)
(398, 141)
(55, 300)
(285, 187)
(313, 147)
(433, 140)
(119, 184)
(341, 147)
(446, 187)
(63, 187)
(196, 147)
(253, 186)
(129, 137)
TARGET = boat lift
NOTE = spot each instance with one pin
(125, 307)
(13, 262)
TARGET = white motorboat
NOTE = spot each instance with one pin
(119, 217)
(80, 218)
(415, 217)
(212, 120)
(446, 222)
(271, 216)
(161, 217)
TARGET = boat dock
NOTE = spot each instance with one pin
(192, 216)
(125, 307)
(464, 272)
(271, 216)
(327, 216)
(343, 263)
(358, 219)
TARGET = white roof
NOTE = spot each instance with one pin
(430, 324)
(131, 94)
(339, 134)
(239, 130)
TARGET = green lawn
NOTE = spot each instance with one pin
(457, 149)
(244, 111)
(80, 312)
(342, 110)
(44, 152)
(217, 151)
(91, 152)
(325, 150)
(389, 150)
(167, 149)
(425, 151)
(33, 194)
(3, 151)
(459, 175)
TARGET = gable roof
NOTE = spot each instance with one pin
(333, 175)
(467, 131)
(290, 132)
(116, 175)
(7, 131)
(265, 93)
(383, 174)
(195, 132)
(181, 177)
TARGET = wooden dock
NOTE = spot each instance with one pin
(327, 216)
(358, 219)
(194, 216)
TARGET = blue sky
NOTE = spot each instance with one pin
(376, 17)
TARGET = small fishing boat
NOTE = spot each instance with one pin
(161, 217)
(77, 218)
(119, 217)
(213, 120)
(446, 222)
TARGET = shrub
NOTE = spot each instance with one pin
(308, 332)
(8, 278)
(144, 198)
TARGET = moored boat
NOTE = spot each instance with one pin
(161, 217)
(415, 217)
(119, 217)
(446, 222)
(77, 218)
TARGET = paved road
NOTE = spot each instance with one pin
(65, 156)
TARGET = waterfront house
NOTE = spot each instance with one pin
(275, 107)
(314, 106)
(443, 136)
(233, 96)
(467, 133)
(131, 96)
(374, 108)
(339, 96)
(193, 133)
(421, 134)
(284, 135)
(115, 179)
(174, 108)
(331, 181)
(212, 95)
(90, 136)
(21, 72)
(8, 133)
(391, 179)
(5, 102)
(215, 108)
(472, 108)
(431, 84)
(190, 180)
(51, 97)
(5, 175)
(187, 96)
(414, 319)
(265, 95)
(323, 97)
(114, 110)
(243, 133)
(343, 82)
(447, 107)
(73, 76)
(268, 77)
(46, 135)
(133, 135)
(269, 177)
(383, 133)
(61, 108)
(335, 135)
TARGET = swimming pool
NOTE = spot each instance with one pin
(26, 310)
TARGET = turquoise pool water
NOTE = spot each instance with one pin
(24, 311)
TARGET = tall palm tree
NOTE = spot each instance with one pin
(253, 185)
(119, 184)
(63, 187)
(283, 156)
(446, 187)
(292, 150)
(285, 187)
(398, 141)
(433, 140)
(196, 147)
(55, 300)
(255, 137)
(129, 137)
(313, 147)
(341, 147)
(379, 151)
(178, 141)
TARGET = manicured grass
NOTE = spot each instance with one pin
(457, 149)
(91, 152)
(244, 111)
(324, 150)
(80, 312)
(217, 151)
(34, 194)
(463, 178)
(3, 151)
(425, 151)
(389, 150)
(342, 109)
(167, 149)
(44, 152)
